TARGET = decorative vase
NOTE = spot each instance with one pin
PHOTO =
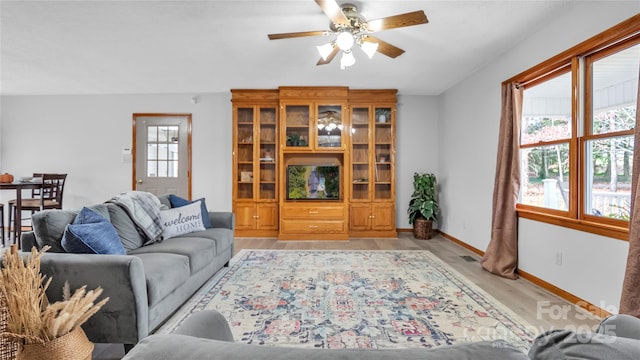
(382, 118)
(72, 346)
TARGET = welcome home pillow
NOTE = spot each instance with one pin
(177, 201)
(91, 233)
(181, 220)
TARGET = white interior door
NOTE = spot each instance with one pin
(162, 144)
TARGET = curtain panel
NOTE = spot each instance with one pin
(630, 299)
(501, 256)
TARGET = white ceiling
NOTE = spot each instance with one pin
(155, 47)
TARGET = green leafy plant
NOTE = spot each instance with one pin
(424, 200)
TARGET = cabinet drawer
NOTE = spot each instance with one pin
(313, 212)
(313, 227)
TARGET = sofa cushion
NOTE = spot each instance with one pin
(199, 251)
(164, 202)
(175, 346)
(182, 220)
(223, 238)
(177, 201)
(91, 233)
(567, 345)
(164, 273)
(127, 231)
(49, 225)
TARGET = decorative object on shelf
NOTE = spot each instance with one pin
(351, 28)
(383, 115)
(6, 178)
(42, 330)
(246, 176)
(423, 207)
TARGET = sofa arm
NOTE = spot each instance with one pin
(621, 325)
(124, 318)
(206, 324)
(28, 240)
(222, 219)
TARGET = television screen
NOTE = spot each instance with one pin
(313, 182)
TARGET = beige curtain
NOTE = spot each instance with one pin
(501, 256)
(630, 300)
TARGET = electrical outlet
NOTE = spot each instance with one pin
(559, 258)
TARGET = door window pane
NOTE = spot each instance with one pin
(162, 151)
(152, 168)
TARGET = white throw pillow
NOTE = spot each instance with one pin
(181, 220)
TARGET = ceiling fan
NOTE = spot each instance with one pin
(351, 28)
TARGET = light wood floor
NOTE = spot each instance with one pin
(542, 309)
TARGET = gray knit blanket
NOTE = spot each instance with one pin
(144, 210)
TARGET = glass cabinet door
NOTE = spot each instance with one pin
(297, 125)
(244, 158)
(267, 149)
(383, 140)
(360, 153)
(329, 126)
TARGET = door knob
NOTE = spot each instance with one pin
(139, 181)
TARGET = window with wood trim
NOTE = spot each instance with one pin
(577, 132)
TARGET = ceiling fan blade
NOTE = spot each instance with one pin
(333, 11)
(330, 57)
(385, 48)
(396, 21)
(296, 34)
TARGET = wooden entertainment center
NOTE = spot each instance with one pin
(314, 163)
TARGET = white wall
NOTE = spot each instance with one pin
(84, 137)
(470, 113)
(416, 147)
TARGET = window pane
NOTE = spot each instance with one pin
(546, 111)
(162, 133)
(172, 134)
(615, 84)
(609, 169)
(152, 151)
(152, 168)
(162, 169)
(163, 152)
(545, 176)
(173, 169)
(173, 151)
(152, 133)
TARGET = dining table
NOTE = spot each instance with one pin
(18, 186)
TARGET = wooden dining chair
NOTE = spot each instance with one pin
(49, 196)
(2, 223)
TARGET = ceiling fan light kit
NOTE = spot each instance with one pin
(350, 29)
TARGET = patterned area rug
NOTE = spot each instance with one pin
(353, 299)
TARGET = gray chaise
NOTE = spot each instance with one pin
(147, 285)
(206, 335)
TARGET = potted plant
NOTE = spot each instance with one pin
(423, 207)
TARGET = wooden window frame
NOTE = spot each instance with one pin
(622, 35)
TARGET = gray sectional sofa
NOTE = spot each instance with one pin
(145, 286)
(206, 335)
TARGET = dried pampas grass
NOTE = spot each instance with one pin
(31, 318)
